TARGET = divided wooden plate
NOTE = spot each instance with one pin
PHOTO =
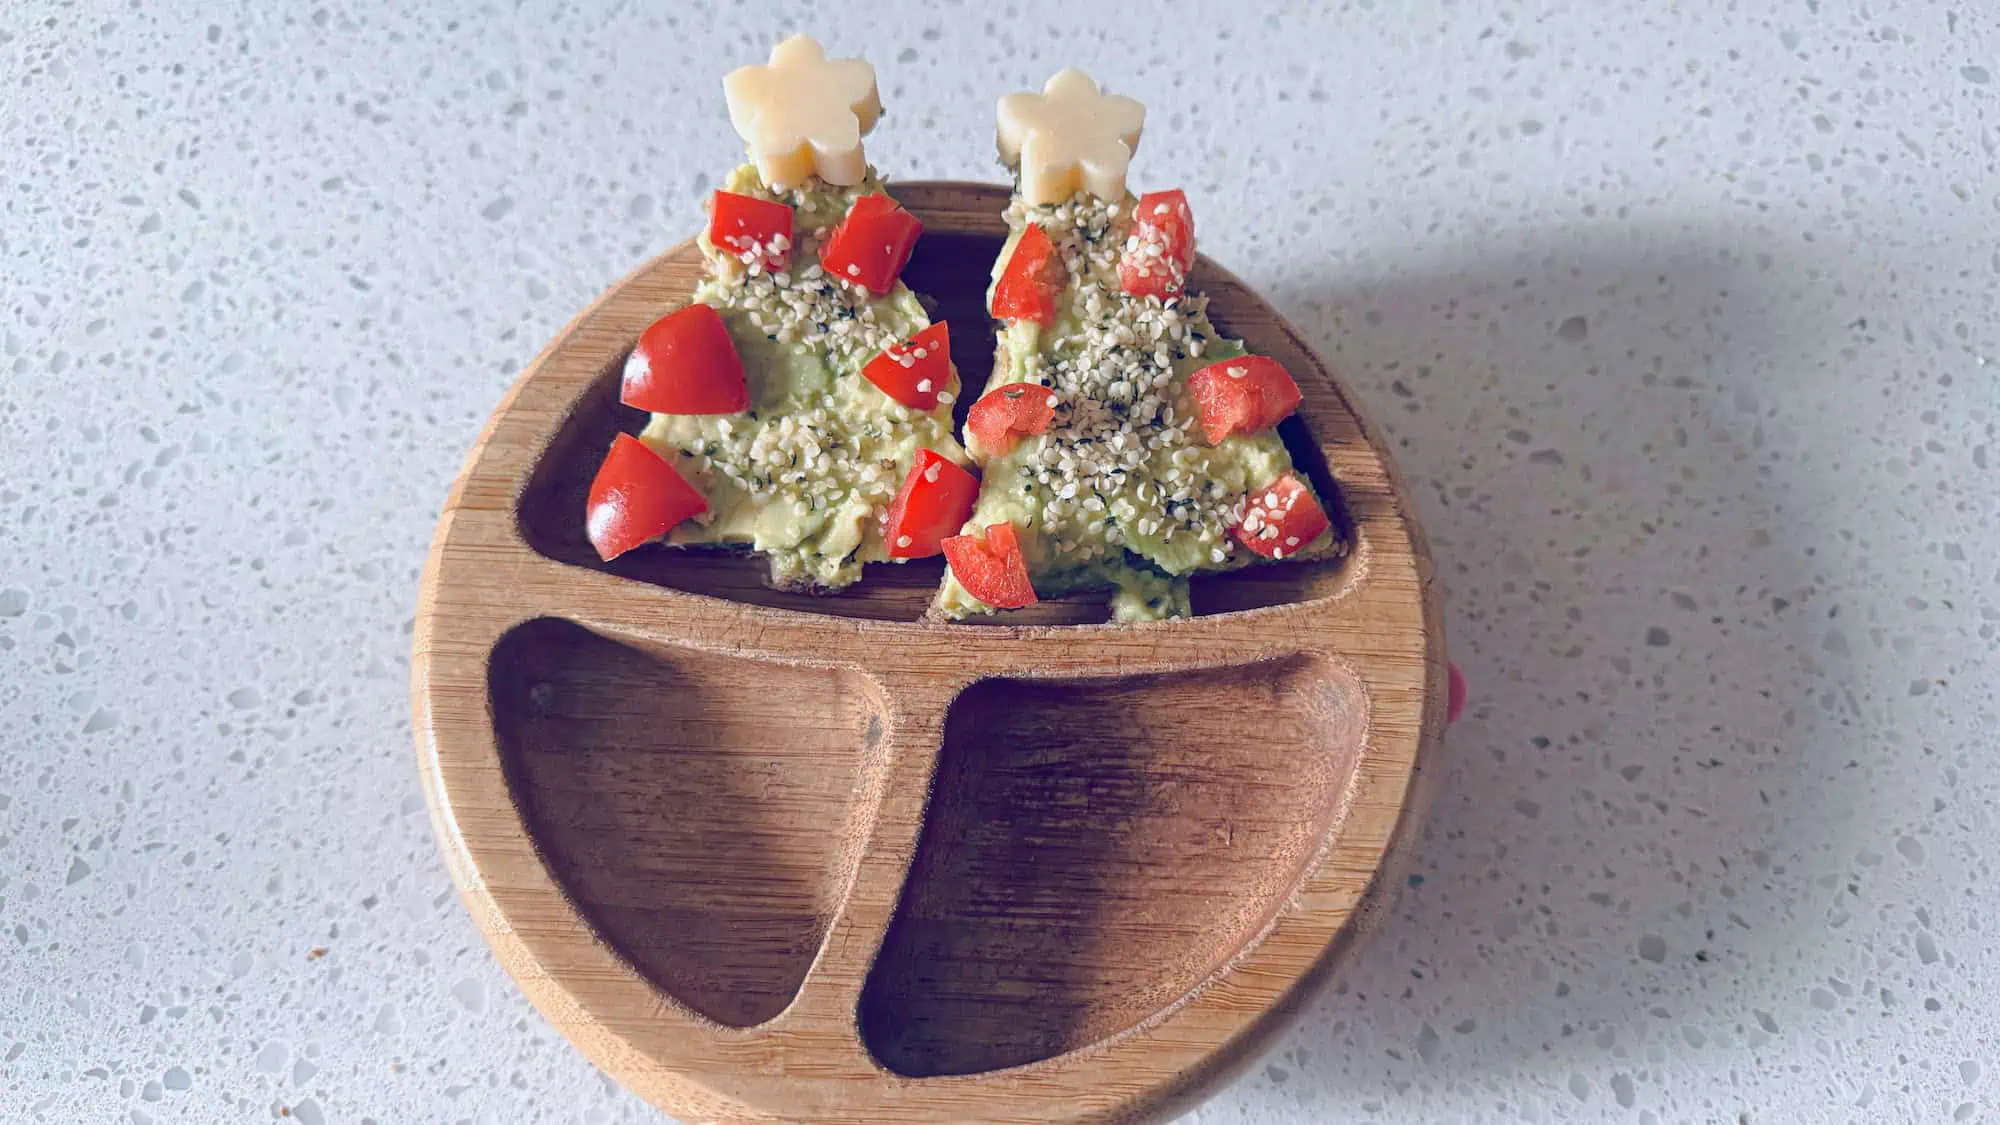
(769, 857)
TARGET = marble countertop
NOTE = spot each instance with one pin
(1682, 323)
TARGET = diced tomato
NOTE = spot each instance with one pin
(872, 244)
(1242, 395)
(1160, 250)
(1281, 520)
(686, 364)
(637, 497)
(1004, 414)
(913, 372)
(993, 569)
(744, 224)
(1028, 287)
(935, 501)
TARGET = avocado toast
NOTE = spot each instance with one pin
(1124, 442)
(803, 394)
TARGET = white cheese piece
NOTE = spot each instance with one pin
(803, 114)
(1069, 138)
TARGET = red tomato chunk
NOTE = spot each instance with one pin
(916, 371)
(1242, 396)
(992, 569)
(1160, 250)
(1281, 520)
(751, 229)
(686, 364)
(1028, 286)
(934, 502)
(872, 244)
(636, 498)
(1002, 416)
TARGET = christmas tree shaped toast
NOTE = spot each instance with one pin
(1123, 442)
(801, 403)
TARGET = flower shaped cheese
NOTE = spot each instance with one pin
(803, 114)
(1069, 137)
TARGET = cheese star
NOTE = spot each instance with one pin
(1068, 138)
(803, 114)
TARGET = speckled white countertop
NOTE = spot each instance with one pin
(1683, 325)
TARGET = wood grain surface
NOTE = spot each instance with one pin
(770, 857)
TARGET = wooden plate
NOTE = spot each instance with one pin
(768, 857)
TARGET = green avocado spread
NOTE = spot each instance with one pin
(805, 474)
(1122, 491)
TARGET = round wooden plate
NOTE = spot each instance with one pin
(768, 857)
